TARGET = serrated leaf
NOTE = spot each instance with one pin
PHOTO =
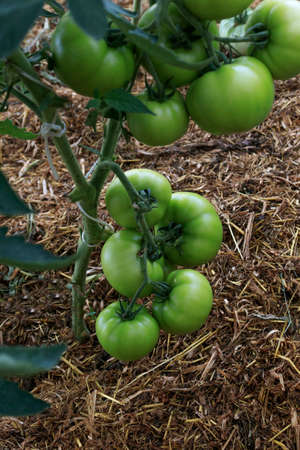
(90, 16)
(23, 361)
(16, 252)
(10, 203)
(15, 402)
(16, 18)
(123, 101)
(8, 128)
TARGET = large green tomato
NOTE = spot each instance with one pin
(234, 98)
(127, 340)
(169, 123)
(281, 53)
(119, 204)
(233, 28)
(86, 65)
(122, 263)
(198, 232)
(216, 9)
(188, 304)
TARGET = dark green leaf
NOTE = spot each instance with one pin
(23, 361)
(91, 120)
(16, 252)
(10, 203)
(8, 128)
(123, 101)
(15, 402)
(16, 18)
(90, 16)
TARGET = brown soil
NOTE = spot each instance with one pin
(234, 384)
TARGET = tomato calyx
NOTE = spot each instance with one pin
(170, 235)
(115, 38)
(161, 289)
(128, 313)
(146, 202)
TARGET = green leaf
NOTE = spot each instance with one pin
(90, 16)
(7, 127)
(16, 18)
(16, 252)
(15, 402)
(123, 101)
(10, 203)
(23, 361)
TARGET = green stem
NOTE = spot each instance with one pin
(112, 133)
(137, 9)
(78, 291)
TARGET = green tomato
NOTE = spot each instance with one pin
(199, 234)
(281, 53)
(127, 340)
(169, 123)
(86, 65)
(233, 98)
(216, 9)
(188, 304)
(191, 53)
(180, 76)
(122, 263)
(119, 204)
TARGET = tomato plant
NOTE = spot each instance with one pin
(88, 66)
(187, 305)
(126, 339)
(169, 122)
(233, 98)
(216, 9)
(191, 231)
(281, 51)
(149, 182)
(122, 263)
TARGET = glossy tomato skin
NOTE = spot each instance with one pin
(188, 304)
(87, 65)
(234, 98)
(119, 204)
(281, 54)
(127, 340)
(122, 265)
(202, 231)
(216, 9)
(169, 123)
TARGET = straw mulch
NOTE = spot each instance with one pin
(234, 384)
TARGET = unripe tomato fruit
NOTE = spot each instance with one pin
(86, 65)
(216, 9)
(233, 98)
(188, 304)
(129, 339)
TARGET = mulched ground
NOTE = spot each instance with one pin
(234, 384)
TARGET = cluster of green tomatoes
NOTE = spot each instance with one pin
(234, 93)
(186, 232)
